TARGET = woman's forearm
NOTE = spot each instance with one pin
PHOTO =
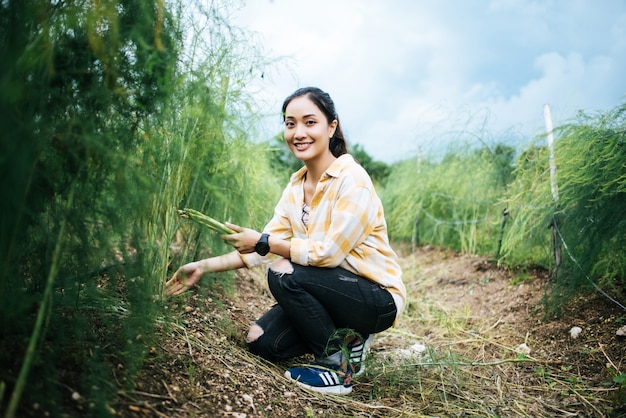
(225, 262)
(280, 247)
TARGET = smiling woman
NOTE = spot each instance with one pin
(333, 274)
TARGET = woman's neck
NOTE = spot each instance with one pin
(317, 167)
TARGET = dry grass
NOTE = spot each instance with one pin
(473, 363)
(469, 361)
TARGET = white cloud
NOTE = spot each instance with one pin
(406, 73)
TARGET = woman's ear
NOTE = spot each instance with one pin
(332, 128)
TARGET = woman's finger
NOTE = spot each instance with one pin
(234, 227)
(178, 290)
(175, 286)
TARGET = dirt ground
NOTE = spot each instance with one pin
(204, 370)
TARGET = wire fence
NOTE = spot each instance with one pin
(577, 264)
(438, 222)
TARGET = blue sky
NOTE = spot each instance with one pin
(409, 75)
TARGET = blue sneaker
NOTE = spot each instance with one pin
(322, 378)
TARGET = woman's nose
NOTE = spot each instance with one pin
(300, 131)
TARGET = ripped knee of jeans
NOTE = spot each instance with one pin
(281, 266)
(254, 333)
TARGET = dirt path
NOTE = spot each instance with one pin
(473, 342)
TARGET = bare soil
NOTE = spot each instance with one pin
(204, 370)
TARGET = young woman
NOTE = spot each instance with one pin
(334, 276)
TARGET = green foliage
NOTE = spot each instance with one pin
(78, 85)
(108, 129)
(377, 170)
(283, 160)
(529, 199)
(116, 114)
(590, 230)
(590, 154)
(577, 229)
(452, 203)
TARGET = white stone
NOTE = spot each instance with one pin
(575, 332)
(418, 348)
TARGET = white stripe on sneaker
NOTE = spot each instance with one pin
(329, 379)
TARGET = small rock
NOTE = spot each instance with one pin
(575, 332)
(523, 349)
(249, 401)
(418, 348)
(621, 332)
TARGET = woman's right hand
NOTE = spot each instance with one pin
(184, 278)
(189, 274)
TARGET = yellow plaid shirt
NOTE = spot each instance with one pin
(346, 227)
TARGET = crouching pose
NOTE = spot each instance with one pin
(334, 276)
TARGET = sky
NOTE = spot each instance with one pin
(409, 77)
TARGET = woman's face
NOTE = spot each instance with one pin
(307, 130)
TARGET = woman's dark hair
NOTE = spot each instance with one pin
(323, 101)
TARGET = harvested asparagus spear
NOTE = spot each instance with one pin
(205, 220)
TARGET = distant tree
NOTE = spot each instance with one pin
(377, 170)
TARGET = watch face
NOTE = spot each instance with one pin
(262, 247)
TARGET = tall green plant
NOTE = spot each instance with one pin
(451, 203)
(78, 82)
(585, 218)
(531, 206)
(590, 155)
(219, 167)
(99, 99)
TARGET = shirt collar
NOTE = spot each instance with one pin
(334, 170)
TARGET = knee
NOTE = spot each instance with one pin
(259, 346)
(254, 333)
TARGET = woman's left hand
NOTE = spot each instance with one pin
(243, 240)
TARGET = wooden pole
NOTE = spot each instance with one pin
(556, 246)
(550, 130)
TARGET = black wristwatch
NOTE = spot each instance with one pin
(262, 246)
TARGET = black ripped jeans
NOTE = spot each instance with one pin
(314, 303)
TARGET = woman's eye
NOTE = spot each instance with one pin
(310, 122)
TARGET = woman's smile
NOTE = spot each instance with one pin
(302, 146)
